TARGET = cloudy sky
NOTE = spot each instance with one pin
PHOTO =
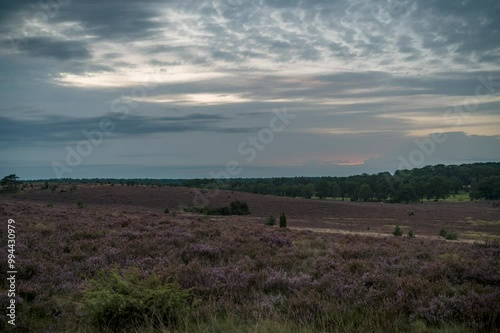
(173, 89)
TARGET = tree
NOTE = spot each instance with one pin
(335, 190)
(308, 191)
(365, 192)
(10, 183)
(487, 187)
(383, 187)
(405, 193)
(438, 188)
(454, 184)
(353, 188)
(420, 190)
(283, 221)
(292, 191)
(323, 189)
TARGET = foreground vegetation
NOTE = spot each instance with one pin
(97, 269)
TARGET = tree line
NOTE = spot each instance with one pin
(435, 182)
(480, 180)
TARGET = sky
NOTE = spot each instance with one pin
(232, 88)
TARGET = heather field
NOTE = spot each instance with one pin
(109, 259)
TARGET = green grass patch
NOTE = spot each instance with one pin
(118, 302)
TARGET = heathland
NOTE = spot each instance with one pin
(107, 258)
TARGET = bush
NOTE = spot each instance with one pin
(120, 302)
(239, 208)
(271, 220)
(50, 204)
(283, 221)
(208, 211)
(451, 235)
(411, 234)
(397, 231)
(80, 204)
(166, 211)
(235, 208)
(442, 233)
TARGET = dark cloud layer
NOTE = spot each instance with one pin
(52, 48)
(62, 130)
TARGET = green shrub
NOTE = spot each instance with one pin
(119, 302)
(442, 233)
(271, 220)
(197, 210)
(451, 235)
(283, 221)
(239, 208)
(166, 211)
(397, 231)
(235, 208)
(220, 211)
(50, 204)
(80, 204)
(411, 234)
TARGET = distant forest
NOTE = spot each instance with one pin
(479, 180)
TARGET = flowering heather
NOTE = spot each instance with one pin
(236, 275)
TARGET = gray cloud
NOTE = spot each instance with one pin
(52, 48)
(65, 130)
(114, 18)
(472, 26)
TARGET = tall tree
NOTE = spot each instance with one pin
(438, 188)
(10, 183)
(308, 191)
(323, 189)
(405, 193)
(335, 190)
(365, 192)
(488, 188)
